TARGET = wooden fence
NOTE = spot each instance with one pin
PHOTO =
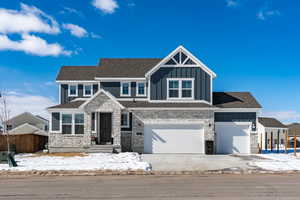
(28, 143)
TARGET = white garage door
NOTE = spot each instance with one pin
(233, 138)
(173, 138)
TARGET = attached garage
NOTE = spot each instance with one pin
(232, 137)
(173, 138)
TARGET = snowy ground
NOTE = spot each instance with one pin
(278, 162)
(96, 161)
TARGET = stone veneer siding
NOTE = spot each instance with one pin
(79, 143)
(140, 117)
(254, 142)
(103, 103)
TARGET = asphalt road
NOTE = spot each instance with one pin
(231, 187)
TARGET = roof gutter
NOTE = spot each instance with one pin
(120, 79)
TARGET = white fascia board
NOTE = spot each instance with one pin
(76, 81)
(71, 110)
(120, 79)
(132, 99)
(179, 101)
(167, 108)
(266, 127)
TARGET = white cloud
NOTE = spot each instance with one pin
(34, 45)
(76, 30)
(284, 116)
(71, 11)
(50, 83)
(106, 6)
(28, 19)
(265, 14)
(231, 3)
(96, 36)
(19, 103)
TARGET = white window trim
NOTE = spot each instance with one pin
(137, 89)
(84, 92)
(180, 89)
(69, 91)
(129, 89)
(127, 119)
(73, 122)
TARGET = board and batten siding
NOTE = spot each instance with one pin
(236, 117)
(115, 88)
(202, 83)
(64, 96)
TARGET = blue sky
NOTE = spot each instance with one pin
(252, 45)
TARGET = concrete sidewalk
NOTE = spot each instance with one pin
(198, 162)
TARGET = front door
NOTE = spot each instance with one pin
(105, 128)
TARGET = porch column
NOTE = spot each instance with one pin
(88, 127)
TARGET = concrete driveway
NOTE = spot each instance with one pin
(197, 162)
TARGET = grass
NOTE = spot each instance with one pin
(59, 154)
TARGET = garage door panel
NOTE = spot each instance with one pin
(173, 138)
(233, 138)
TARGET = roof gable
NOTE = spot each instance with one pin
(181, 57)
(270, 122)
(234, 100)
(26, 116)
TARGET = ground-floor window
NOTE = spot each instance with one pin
(66, 123)
(79, 123)
(125, 120)
(72, 123)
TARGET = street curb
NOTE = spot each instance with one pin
(4, 173)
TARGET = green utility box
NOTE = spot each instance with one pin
(9, 158)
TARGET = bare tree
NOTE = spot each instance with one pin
(4, 117)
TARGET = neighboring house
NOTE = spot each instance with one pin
(272, 134)
(294, 130)
(151, 106)
(28, 133)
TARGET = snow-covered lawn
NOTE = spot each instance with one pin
(278, 162)
(96, 161)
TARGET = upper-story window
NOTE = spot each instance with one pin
(125, 89)
(87, 90)
(140, 89)
(73, 90)
(180, 88)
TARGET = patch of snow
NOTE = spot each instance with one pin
(278, 162)
(94, 161)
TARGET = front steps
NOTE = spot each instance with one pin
(100, 149)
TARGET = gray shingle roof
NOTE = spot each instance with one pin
(109, 67)
(145, 104)
(77, 73)
(234, 100)
(221, 100)
(271, 122)
(294, 129)
(126, 67)
(72, 104)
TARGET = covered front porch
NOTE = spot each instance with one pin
(103, 120)
(93, 125)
